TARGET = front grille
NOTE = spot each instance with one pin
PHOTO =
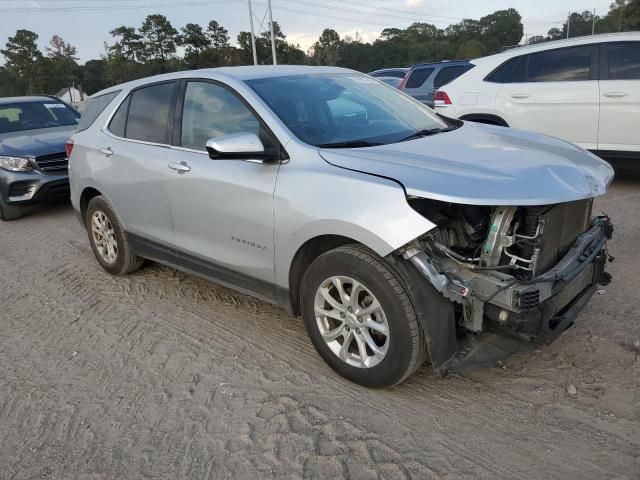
(53, 163)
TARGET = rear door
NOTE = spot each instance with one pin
(554, 92)
(222, 210)
(133, 166)
(620, 97)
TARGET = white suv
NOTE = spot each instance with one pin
(585, 90)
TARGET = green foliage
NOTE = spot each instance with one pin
(152, 48)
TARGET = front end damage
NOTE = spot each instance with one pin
(517, 277)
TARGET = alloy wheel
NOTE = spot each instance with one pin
(351, 321)
(104, 237)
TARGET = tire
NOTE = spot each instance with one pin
(403, 350)
(10, 212)
(121, 259)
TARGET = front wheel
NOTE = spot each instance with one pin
(360, 317)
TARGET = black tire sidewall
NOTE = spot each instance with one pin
(398, 360)
(119, 266)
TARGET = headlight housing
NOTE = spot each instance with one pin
(15, 164)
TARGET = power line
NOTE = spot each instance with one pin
(112, 7)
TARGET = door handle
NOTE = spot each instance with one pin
(519, 95)
(107, 152)
(181, 167)
(615, 94)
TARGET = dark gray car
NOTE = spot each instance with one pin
(33, 160)
(424, 79)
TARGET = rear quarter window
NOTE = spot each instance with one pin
(448, 74)
(418, 77)
(95, 106)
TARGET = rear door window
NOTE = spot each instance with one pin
(149, 113)
(624, 60)
(447, 74)
(418, 77)
(561, 65)
(95, 106)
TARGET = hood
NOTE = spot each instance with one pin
(33, 143)
(480, 164)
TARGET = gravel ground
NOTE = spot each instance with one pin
(163, 375)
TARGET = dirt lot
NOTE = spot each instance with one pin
(162, 375)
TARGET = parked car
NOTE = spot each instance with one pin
(33, 161)
(393, 81)
(425, 78)
(398, 72)
(395, 233)
(585, 90)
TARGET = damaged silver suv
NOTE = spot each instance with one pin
(397, 234)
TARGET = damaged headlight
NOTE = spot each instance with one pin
(15, 164)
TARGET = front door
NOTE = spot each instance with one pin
(222, 210)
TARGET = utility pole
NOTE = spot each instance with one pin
(593, 25)
(568, 22)
(253, 36)
(273, 38)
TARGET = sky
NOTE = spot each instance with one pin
(86, 23)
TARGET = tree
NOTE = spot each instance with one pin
(193, 39)
(92, 76)
(500, 29)
(195, 42)
(59, 69)
(160, 38)
(218, 35)
(61, 50)
(21, 54)
(129, 44)
(326, 51)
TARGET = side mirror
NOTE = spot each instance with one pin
(240, 146)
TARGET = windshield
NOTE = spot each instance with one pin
(18, 116)
(344, 109)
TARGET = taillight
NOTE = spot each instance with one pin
(441, 98)
(69, 147)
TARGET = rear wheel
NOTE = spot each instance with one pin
(360, 318)
(10, 212)
(108, 240)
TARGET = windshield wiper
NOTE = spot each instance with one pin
(427, 132)
(350, 144)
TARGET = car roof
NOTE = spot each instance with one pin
(31, 98)
(565, 42)
(391, 68)
(442, 62)
(241, 73)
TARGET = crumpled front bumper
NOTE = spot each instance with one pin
(509, 315)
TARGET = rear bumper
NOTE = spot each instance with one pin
(26, 188)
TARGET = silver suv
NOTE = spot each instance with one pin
(396, 234)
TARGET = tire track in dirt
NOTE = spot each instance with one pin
(179, 378)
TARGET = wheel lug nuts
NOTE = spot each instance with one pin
(357, 330)
(346, 328)
(341, 314)
(350, 309)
